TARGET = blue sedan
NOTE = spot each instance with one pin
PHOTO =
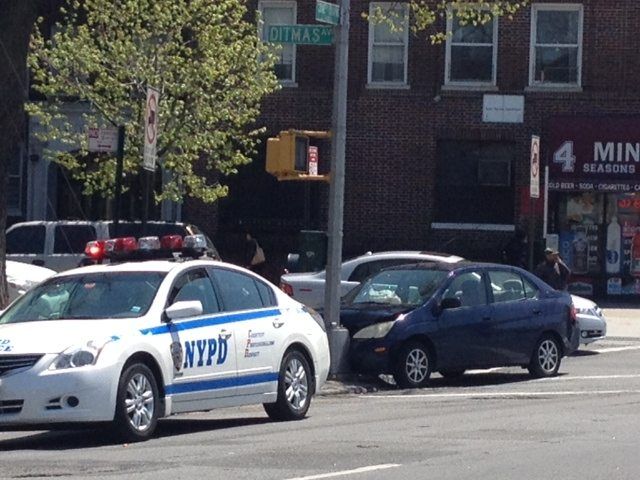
(412, 320)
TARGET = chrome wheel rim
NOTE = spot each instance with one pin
(139, 402)
(548, 355)
(417, 365)
(296, 384)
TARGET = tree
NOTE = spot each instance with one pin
(203, 56)
(16, 22)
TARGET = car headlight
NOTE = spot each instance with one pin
(587, 311)
(80, 355)
(377, 330)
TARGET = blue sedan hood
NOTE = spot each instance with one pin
(356, 317)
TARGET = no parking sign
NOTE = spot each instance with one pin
(150, 129)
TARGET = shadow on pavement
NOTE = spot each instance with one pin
(584, 353)
(101, 437)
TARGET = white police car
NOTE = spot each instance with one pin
(132, 342)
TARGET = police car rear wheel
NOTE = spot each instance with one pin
(294, 389)
(137, 403)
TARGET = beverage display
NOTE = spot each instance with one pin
(580, 253)
(614, 246)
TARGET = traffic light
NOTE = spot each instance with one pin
(287, 154)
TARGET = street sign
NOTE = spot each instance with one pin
(534, 188)
(312, 160)
(301, 34)
(103, 140)
(150, 129)
(327, 12)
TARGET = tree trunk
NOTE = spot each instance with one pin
(17, 18)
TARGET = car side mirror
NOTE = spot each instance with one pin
(448, 303)
(191, 308)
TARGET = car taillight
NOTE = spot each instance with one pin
(573, 314)
(286, 288)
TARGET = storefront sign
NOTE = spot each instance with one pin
(595, 154)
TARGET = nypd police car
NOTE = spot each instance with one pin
(131, 342)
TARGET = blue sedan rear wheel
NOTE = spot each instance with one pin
(546, 358)
(413, 367)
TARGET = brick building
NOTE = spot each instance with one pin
(438, 136)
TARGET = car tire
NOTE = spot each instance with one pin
(137, 404)
(546, 358)
(295, 388)
(413, 366)
(452, 373)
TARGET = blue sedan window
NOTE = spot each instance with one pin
(506, 286)
(411, 287)
(468, 288)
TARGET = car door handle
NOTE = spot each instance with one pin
(486, 319)
(537, 311)
(278, 323)
(225, 335)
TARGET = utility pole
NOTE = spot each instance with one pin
(118, 180)
(338, 336)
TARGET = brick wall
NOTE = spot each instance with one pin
(393, 134)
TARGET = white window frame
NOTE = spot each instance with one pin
(447, 63)
(291, 82)
(535, 8)
(378, 84)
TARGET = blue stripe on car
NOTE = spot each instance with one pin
(189, 387)
(207, 322)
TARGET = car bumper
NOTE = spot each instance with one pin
(370, 356)
(41, 396)
(592, 328)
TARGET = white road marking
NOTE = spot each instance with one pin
(484, 370)
(587, 377)
(616, 349)
(504, 394)
(371, 468)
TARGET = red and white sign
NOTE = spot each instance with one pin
(103, 140)
(151, 129)
(312, 160)
(534, 189)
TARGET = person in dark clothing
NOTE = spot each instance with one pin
(516, 250)
(553, 270)
(253, 256)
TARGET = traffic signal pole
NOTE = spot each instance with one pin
(338, 336)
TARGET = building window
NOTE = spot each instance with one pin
(280, 13)
(471, 52)
(556, 45)
(388, 43)
(475, 182)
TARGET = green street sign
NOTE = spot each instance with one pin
(327, 12)
(301, 34)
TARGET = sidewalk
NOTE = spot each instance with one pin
(623, 320)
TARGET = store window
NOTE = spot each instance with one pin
(388, 43)
(14, 192)
(280, 13)
(622, 244)
(475, 182)
(556, 45)
(471, 52)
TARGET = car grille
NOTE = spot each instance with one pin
(10, 406)
(13, 362)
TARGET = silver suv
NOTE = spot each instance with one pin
(60, 245)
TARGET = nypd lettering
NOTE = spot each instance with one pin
(5, 345)
(204, 352)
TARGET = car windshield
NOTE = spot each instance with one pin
(83, 297)
(407, 287)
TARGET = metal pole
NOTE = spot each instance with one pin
(338, 337)
(545, 220)
(118, 185)
(148, 176)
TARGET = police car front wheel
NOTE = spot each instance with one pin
(295, 388)
(137, 403)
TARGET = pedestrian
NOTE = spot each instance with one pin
(516, 250)
(253, 256)
(553, 270)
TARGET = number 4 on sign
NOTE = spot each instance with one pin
(565, 157)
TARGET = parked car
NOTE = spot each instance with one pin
(412, 320)
(131, 342)
(308, 288)
(591, 320)
(59, 245)
(21, 277)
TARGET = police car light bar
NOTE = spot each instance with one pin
(146, 248)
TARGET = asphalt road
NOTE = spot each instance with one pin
(583, 424)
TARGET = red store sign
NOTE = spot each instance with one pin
(594, 154)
